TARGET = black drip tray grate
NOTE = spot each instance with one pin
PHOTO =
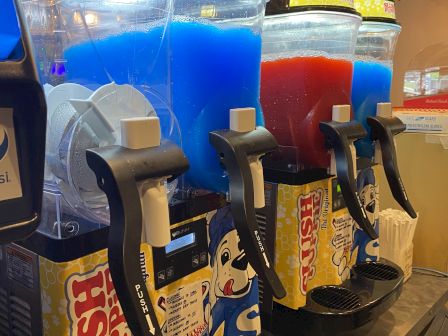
(376, 271)
(336, 298)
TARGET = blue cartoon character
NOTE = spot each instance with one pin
(234, 287)
(367, 249)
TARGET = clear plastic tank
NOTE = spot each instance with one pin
(215, 66)
(307, 68)
(372, 74)
(100, 61)
(9, 31)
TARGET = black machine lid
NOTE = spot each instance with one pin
(377, 11)
(275, 7)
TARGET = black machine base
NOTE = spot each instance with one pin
(347, 309)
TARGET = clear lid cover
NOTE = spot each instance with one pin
(377, 41)
(314, 33)
(100, 61)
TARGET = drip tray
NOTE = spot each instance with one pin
(335, 297)
(342, 310)
(376, 271)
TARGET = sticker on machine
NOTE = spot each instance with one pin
(343, 232)
(19, 266)
(342, 241)
(184, 311)
(93, 306)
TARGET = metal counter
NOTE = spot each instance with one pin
(422, 299)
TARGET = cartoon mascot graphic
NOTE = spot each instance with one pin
(234, 309)
(367, 249)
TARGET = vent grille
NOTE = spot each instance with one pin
(336, 298)
(20, 317)
(376, 271)
(4, 320)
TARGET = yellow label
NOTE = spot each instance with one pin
(313, 243)
(343, 3)
(78, 297)
(376, 8)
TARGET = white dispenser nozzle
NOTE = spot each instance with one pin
(243, 120)
(382, 110)
(137, 133)
(256, 168)
(341, 113)
(143, 132)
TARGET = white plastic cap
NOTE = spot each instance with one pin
(341, 113)
(242, 119)
(384, 110)
(141, 132)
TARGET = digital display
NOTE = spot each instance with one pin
(181, 243)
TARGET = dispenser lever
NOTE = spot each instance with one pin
(119, 171)
(240, 149)
(339, 137)
(383, 131)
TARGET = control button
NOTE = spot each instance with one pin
(203, 258)
(170, 272)
(161, 277)
(195, 261)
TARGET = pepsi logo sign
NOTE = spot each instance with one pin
(4, 143)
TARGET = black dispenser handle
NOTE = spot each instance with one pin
(118, 170)
(339, 136)
(21, 92)
(234, 149)
(384, 130)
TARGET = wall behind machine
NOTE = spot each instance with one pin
(423, 166)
